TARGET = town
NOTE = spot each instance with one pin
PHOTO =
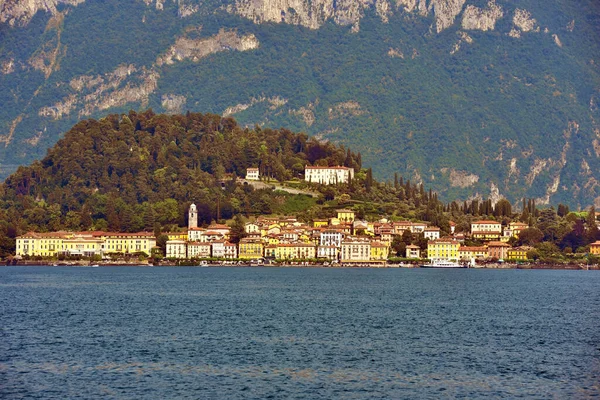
(341, 239)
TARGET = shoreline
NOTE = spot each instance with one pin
(87, 264)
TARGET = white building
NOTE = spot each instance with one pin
(328, 175)
(218, 249)
(432, 233)
(176, 249)
(252, 174)
(328, 251)
(331, 238)
(251, 227)
(194, 234)
(198, 250)
(355, 251)
(230, 250)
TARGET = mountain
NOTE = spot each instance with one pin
(470, 97)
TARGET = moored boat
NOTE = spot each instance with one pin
(436, 263)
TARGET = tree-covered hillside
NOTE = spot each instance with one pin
(141, 171)
(502, 104)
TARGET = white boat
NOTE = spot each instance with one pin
(437, 263)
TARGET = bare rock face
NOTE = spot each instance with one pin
(128, 84)
(172, 103)
(20, 12)
(522, 19)
(445, 12)
(196, 49)
(462, 179)
(523, 22)
(309, 13)
(475, 18)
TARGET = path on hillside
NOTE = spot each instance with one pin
(278, 186)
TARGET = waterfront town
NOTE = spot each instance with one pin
(341, 239)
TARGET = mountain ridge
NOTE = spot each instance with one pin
(393, 80)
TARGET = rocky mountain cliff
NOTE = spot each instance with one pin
(470, 97)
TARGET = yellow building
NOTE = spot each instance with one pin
(516, 228)
(83, 244)
(129, 243)
(595, 248)
(486, 230)
(183, 235)
(472, 252)
(443, 249)
(318, 223)
(250, 249)
(345, 216)
(517, 253)
(295, 251)
(379, 251)
(40, 244)
(273, 239)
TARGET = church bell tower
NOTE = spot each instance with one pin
(193, 217)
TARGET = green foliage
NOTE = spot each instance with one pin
(140, 171)
(429, 110)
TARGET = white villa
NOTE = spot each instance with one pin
(328, 175)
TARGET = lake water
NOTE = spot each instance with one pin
(281, 333)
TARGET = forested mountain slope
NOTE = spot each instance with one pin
(496, 98)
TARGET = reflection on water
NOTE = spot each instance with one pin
(290, 333)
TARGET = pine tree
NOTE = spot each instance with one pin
(592, 226)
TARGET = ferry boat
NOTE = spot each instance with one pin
(436, 263)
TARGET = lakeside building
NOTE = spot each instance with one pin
(443, 249)
(518, 253)
(595, 248)
(85, 244)
(413, 251)
(176, 249)
(328, 175)
(379, 251)
(354, 250)
(345, 216)
(472, 252)
(250, 249)
(498, 250)
(486, 230)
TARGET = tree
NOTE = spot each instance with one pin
(161, 243)
(530, 237)
(237, 229)
(591, 225)
(398, 246)
(369, 180)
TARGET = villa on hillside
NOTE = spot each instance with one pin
(328, 175)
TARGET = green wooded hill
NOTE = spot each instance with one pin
(141, 171)
(494, 99)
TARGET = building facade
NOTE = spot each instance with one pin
(328, 175)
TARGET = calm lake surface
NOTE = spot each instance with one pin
(258, 333)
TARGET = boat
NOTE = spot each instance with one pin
(437, 263)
